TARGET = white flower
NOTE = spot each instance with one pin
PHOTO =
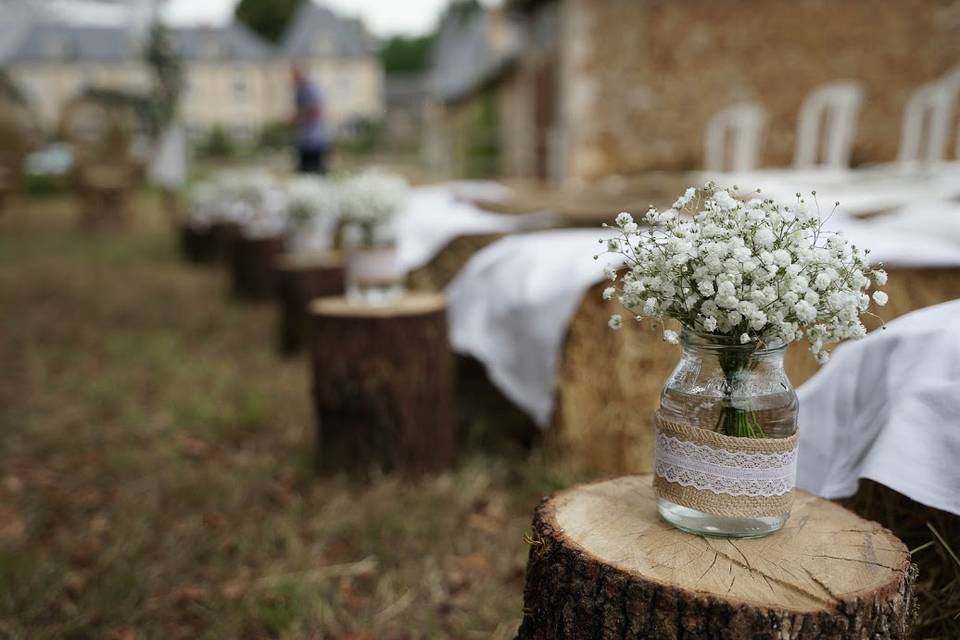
(782, 257)
(880, 298)
(609, 292)
(805, 311)
(744, 338)
(724, 200)
(671, 337)
(616, 321)
(880, 276)
(623, 219)
(822, 357)
(685, 199)
(710, 324)
(764, 237)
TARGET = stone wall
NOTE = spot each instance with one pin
(644, 76)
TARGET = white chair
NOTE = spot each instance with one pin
(834, 106)
(733, 138)
(927, 117)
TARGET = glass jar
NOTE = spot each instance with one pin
(373, 272)
(726, 439)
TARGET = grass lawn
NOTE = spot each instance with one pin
(155, 468)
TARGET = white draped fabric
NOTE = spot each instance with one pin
(887, 408)
(434, 216)
(512, 303)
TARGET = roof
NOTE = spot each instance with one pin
(469, 52)
(55, 42)
(230, 42)
(316, 31)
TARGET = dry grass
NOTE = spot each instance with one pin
(156, 481)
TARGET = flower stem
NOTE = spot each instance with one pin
(734, 422)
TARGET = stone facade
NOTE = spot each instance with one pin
(636, 80)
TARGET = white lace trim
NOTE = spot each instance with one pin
(725, 472)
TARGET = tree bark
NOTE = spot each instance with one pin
(383, 385)
(252, 266)
(301, 279)
(603, 565)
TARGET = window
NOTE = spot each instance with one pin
(241, 86)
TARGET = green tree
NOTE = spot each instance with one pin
(268, 18)
(402, 54)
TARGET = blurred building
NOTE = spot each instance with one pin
(472, 51)
(405, 97)
(608, 87)
(233, 79)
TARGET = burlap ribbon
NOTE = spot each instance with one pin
(723, 475)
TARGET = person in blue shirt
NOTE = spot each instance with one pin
(311, 136)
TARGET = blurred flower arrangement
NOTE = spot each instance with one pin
(313, 212)
(368, 203)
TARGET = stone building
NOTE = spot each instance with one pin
(233, 79)
(605, 87)
(471, 55)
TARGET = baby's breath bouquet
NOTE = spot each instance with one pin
(755, 273)
(368, 204)
(369, 201)
(313, 209)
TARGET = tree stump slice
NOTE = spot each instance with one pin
(383, 385)
(604, 565)
(300, 279)
(252, 266)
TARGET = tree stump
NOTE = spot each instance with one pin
(207, 244)
(604, 565)
(252, 266)
(196, 243)
(383, 385)
(300, 279)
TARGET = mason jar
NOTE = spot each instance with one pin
(726, 438)
(373, 272)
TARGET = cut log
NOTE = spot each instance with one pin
(383, 385)
(300, 279)
(196, 243)
(206, 244)
(252, 266)
(604, 565)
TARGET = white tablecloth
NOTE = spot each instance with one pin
(435, 215)
(512, 303)
(887, 408)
